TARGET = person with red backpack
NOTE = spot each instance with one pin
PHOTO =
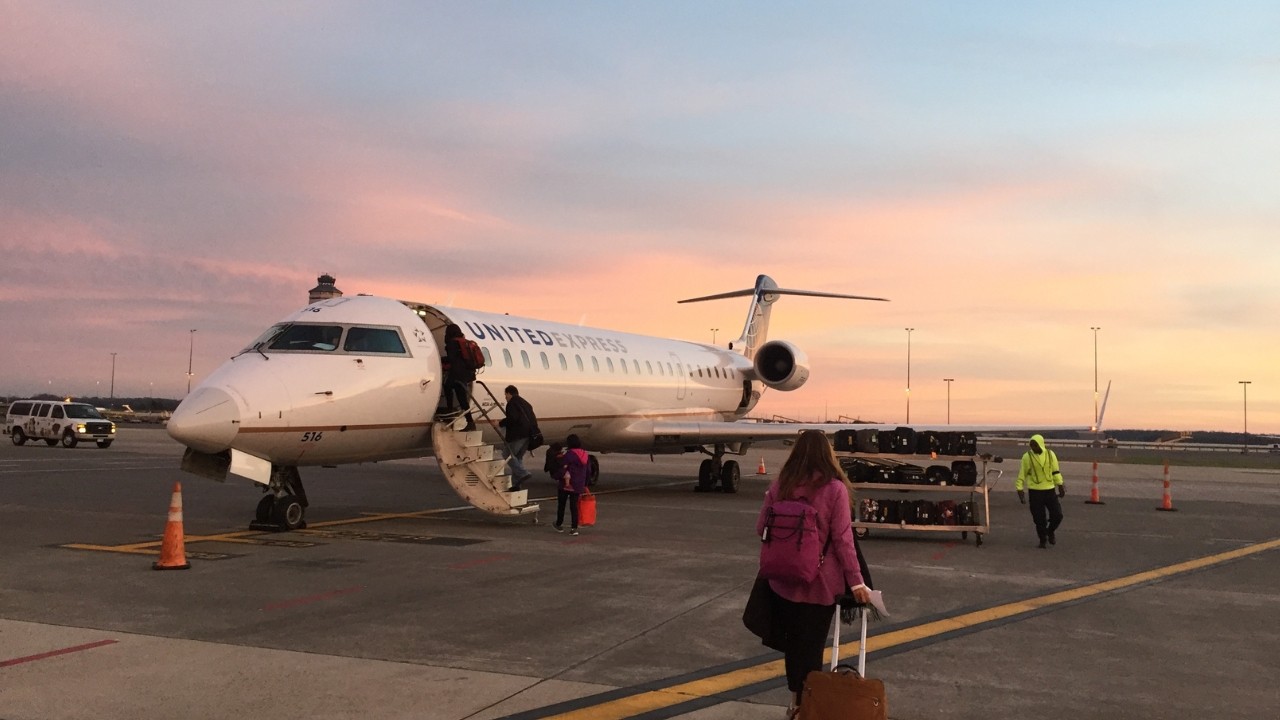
(807, 553)
(461, 372)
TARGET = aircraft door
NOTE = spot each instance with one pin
(682, 376)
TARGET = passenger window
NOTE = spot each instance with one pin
(57, 412)
(623, 363)
(670, 370)
(595, 364)
(637, 364)
(20, 409)
(546, 362)
(488, 357)
(609, 361)
(524, 356)
(699, 372)
(564, 362)
(373, 340)
(506, 355)
(660, 372)
(578, 359)
(648, 366)
(44, 410)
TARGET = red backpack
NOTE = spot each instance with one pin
(471, 352)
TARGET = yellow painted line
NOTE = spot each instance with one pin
(652, 700)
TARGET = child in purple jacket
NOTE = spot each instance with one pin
(571, 474)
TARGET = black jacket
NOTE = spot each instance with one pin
(459, 370)
(520, 421)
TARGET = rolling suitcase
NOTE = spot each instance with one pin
(843, 692)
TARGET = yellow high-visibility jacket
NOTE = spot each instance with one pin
(1038, 472)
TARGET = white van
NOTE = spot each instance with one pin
(54, 421)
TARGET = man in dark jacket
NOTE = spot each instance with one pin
(461, 374)
(520, 424)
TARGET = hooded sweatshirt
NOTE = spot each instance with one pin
(1038, 471)
(575, 463)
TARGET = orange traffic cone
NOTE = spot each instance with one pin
(760, 470)
(173, 554)
(1093, 493)
(1168, 501)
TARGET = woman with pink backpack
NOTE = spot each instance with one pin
(807, 553)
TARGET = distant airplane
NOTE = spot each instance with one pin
(128, 414)
(359, 379)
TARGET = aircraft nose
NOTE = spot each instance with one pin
(207, 420)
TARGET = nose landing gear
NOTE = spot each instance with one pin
(284, 507)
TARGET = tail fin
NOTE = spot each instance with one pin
(763, 295)
(1103, 410)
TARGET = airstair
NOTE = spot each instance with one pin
(475, 469)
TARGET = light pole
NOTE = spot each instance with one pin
(113, 376)
(713, 335)
(948, 381)
(190, 353)
(909, 374)
(1095, 377)
(1245, 384)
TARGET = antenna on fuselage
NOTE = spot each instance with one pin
(764, 294)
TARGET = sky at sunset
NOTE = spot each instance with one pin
(1008, 174)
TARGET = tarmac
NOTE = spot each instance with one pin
(399, 601)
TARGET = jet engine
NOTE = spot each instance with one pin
(781, 365)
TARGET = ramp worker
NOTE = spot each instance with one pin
(1040, 476)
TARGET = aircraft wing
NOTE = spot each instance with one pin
(674, 434)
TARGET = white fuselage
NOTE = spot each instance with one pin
(330, 404)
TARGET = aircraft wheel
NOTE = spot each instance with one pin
(593, 476)
(706, 476)
(729, 476)
(265, 506)
(69, 439)
(289, 512)
(18, 437)
(104, 444)
(50, 443)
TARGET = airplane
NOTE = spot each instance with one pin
(128, 414)
(355, 379)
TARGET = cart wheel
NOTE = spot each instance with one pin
(862, 532)
(964, 534)
(978, 535)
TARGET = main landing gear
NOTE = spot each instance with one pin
(715, 469)
(284, 507)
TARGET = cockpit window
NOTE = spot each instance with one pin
(373, 340)
(307, 337)
(83, 412)
(313, 337)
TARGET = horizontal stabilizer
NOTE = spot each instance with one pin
(781, 291)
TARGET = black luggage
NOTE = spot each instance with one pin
(928, 442)
(966, 444)
(845, 441)
(967, 513)
(946, 514)
(938, 475)
(867, 440)
(965, 472)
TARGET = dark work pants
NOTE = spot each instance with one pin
(1045, 510)
(564, 496)
(806, 629)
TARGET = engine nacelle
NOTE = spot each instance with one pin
(781, 365)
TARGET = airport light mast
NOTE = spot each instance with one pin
(948, 381)
(1245, 384)
(909, 374)
(113, 376)
(190, 354)
(1095, 377)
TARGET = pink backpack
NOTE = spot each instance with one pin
(790, 549)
